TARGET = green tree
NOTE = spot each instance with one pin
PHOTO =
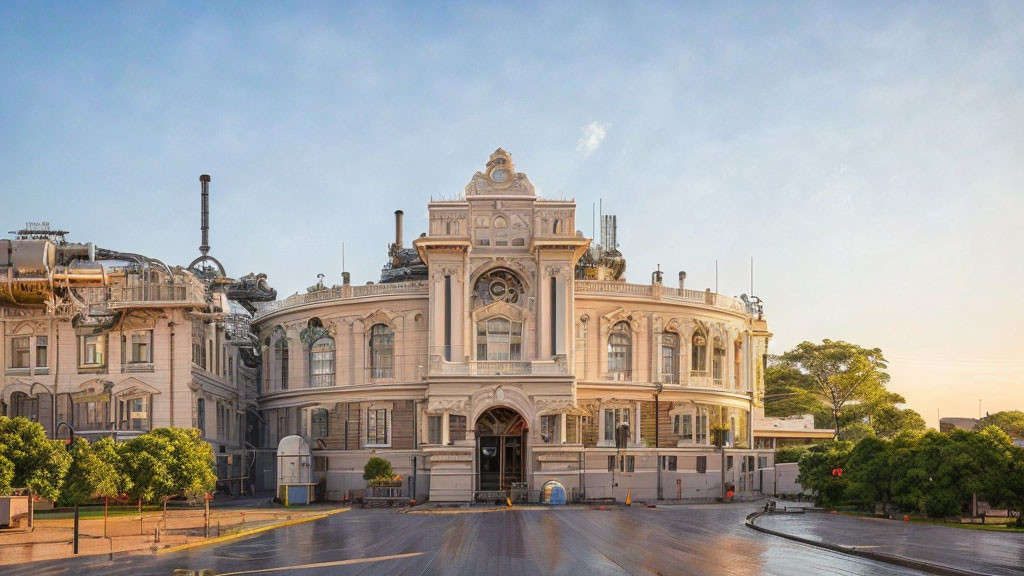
(816, 468)
(786, 391)
(1015, 484)
(6, 471)
(90, 475)
(945, 470)
(888, 421)
(838, 373)
(790, 453)
(870, 471)
(36, 462)
(1010, 421)
(378, 470)
(167, 462)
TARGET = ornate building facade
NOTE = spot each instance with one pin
(503, 350)
(99, 342)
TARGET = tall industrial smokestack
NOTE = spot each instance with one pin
(398, 228)
(205, 180)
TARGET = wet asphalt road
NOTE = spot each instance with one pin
(694, 540)
(998, 553)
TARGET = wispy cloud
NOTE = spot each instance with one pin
(593, 135)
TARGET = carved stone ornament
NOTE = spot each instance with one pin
(553, 404)
(559, 272)
(510, 311)
(30, 327)
(500, 178)
(380, 316)
(447, 405)
(498, 285)
(620, 315)
(140, 319)
(311, 334)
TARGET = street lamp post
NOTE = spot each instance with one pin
(53, 404)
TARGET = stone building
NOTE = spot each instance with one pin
(108, 343)
(503, 350)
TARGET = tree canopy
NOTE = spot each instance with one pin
(35, 461)
(843, 385)
(1010, 421)
(167, 462)
(92, 473)
(935, 472)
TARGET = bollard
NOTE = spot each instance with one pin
(76, 529)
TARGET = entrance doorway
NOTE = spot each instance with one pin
(501, 448)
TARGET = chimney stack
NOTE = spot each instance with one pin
(205, 226)
(398, 228)
(682, 280)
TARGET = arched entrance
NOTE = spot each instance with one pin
(501, 448)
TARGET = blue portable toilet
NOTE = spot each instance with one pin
(553, 493)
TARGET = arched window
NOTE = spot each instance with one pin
(499, 339)
(500, 226)
(620, 351)
(280, 360)
(669, 358)
(699, 353)
(718, 362)
(382, 351)
(321, 362)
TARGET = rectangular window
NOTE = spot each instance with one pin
(669, 463)
(456, 427)
(630, 463)
(19, 352)
(92, 351)
(728, 462)
(549, 429)
(201, 416)
(320, 423)
(702, 464)
(615, 419)
(433, 429)
(134, 414)
(142, 346)
(762, 462)
(701, 425)
(686, 427)
(611, 463)
(377, 427)
(41, 347)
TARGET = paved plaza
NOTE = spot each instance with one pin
(693, 540)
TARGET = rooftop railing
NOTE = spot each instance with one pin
(414, 288)
(707, 298)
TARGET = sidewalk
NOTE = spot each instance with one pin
(944, 549)
(52, 538)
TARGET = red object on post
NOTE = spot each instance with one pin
(208, 497)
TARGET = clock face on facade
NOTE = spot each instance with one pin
(499, 174)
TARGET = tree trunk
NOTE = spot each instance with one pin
(835, 418)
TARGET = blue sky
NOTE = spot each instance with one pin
(870, 157)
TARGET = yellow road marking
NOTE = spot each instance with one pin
(243, 533)
(326, 564)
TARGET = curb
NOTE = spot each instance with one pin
(902, 561)
(244, 533)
